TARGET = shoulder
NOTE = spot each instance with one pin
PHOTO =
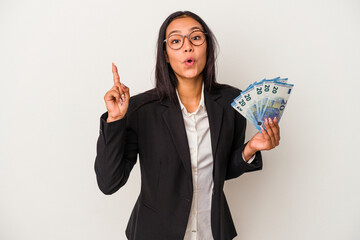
(144, 97)
(227, 89)
(139, 100)
(227, 92)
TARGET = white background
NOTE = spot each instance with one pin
(55, 67)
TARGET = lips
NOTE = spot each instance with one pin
(189, 61)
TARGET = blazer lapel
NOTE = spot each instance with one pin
(174, 121)
(215, 115)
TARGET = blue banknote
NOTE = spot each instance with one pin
(265, 99)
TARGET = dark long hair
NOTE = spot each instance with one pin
(166, 81)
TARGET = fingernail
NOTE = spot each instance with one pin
(271, 122)
(123, 97)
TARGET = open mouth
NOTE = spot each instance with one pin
(189, 61)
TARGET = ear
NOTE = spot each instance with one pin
(166, 56)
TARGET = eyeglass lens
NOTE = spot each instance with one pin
(176, 41)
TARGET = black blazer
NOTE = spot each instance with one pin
(155, 130)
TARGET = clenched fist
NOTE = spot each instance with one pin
(117, 98)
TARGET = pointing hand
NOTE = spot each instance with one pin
(117, 98)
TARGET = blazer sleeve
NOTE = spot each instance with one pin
(117, 149)
(236, 165)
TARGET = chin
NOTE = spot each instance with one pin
(188, 74)
(191, 75)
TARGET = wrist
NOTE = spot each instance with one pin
(111, 119)
(248, 152)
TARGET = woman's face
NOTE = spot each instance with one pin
(178, 59)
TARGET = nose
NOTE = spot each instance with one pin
(188, 47)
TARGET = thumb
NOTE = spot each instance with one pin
(126, 90)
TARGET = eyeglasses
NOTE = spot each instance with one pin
(176, 41)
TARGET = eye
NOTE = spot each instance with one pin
(197, 36)
(175, 39)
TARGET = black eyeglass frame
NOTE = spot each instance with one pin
(183, 39)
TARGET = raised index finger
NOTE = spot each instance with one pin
(115, 74)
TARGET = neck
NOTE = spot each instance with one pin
(189, 90)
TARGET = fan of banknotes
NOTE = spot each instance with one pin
(264, 99)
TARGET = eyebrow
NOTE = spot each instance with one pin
(177, 31)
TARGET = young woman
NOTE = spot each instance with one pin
(188, 137)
